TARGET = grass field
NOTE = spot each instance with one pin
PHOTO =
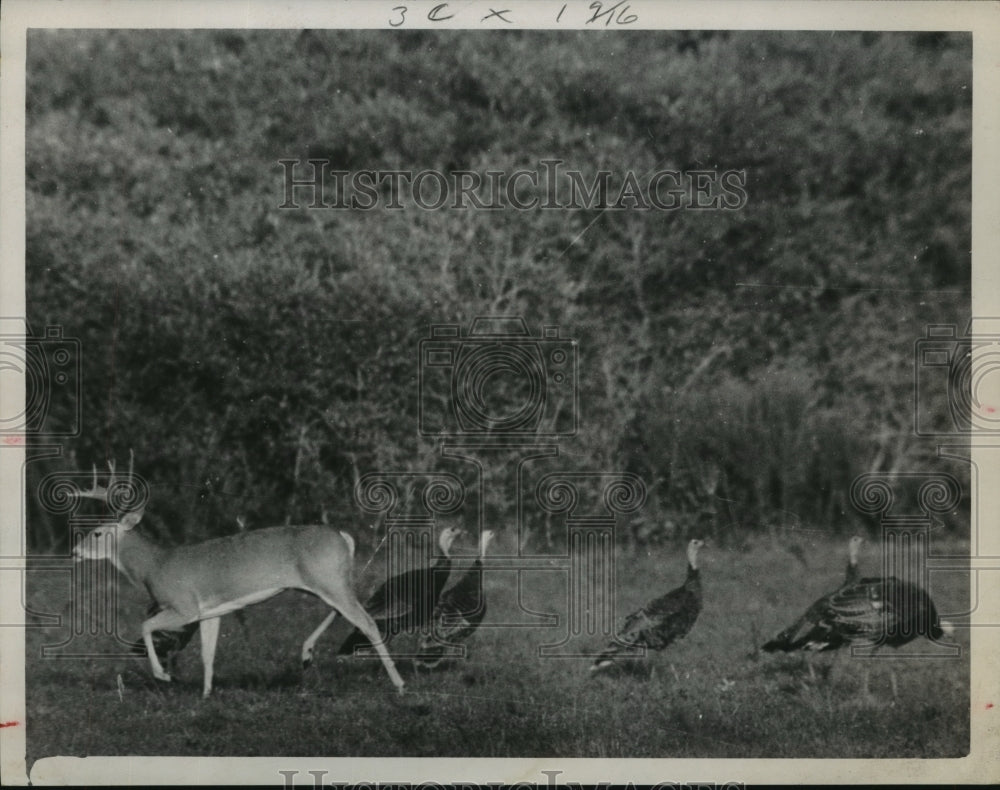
(710, 695)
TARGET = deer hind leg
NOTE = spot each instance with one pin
(347, 603)
(356, 613)
(307, 646)
(165, 620)
(209, 637)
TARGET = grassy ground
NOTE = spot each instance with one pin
(711, 694)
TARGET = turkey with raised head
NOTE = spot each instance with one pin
(406, 601)
(852, 574)
(459, 611)
(875, 611)
(662, 621)
(788, 639)
(867, 612)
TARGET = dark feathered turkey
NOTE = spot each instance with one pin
(879, 611)
(663, 621)
(876, 610)
(815, 612)
(459, 611)
(406, 601)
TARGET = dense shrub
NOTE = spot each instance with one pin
(749, 364)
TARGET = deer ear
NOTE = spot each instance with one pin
(129, 520)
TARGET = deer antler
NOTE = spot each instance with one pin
(100, 492)
(96, 492)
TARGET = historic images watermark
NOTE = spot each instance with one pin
(320, 779)
(315, 184)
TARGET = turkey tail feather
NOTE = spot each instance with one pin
(785, 640)
(780, 642)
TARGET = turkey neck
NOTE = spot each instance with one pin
(852, 562)
(483, 544)
(439, 572)
(693, 576)
(444, 558)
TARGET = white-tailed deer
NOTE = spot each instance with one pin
(203, 581)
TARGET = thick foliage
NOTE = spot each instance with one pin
(747, 363)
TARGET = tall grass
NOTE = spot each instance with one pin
(759, 455)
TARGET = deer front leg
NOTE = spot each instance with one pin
(209, 637)
(162, 621)
(307, 646)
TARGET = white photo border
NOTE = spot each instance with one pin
(982, 19)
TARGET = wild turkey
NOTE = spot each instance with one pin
(662, 621)
(873, 611)
(406, 601)
(459, 611)
(815, 612)
(876, 611)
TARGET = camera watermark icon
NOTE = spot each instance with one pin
(964, 372)
(497, 397)
(50, 367)
(497, 380)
